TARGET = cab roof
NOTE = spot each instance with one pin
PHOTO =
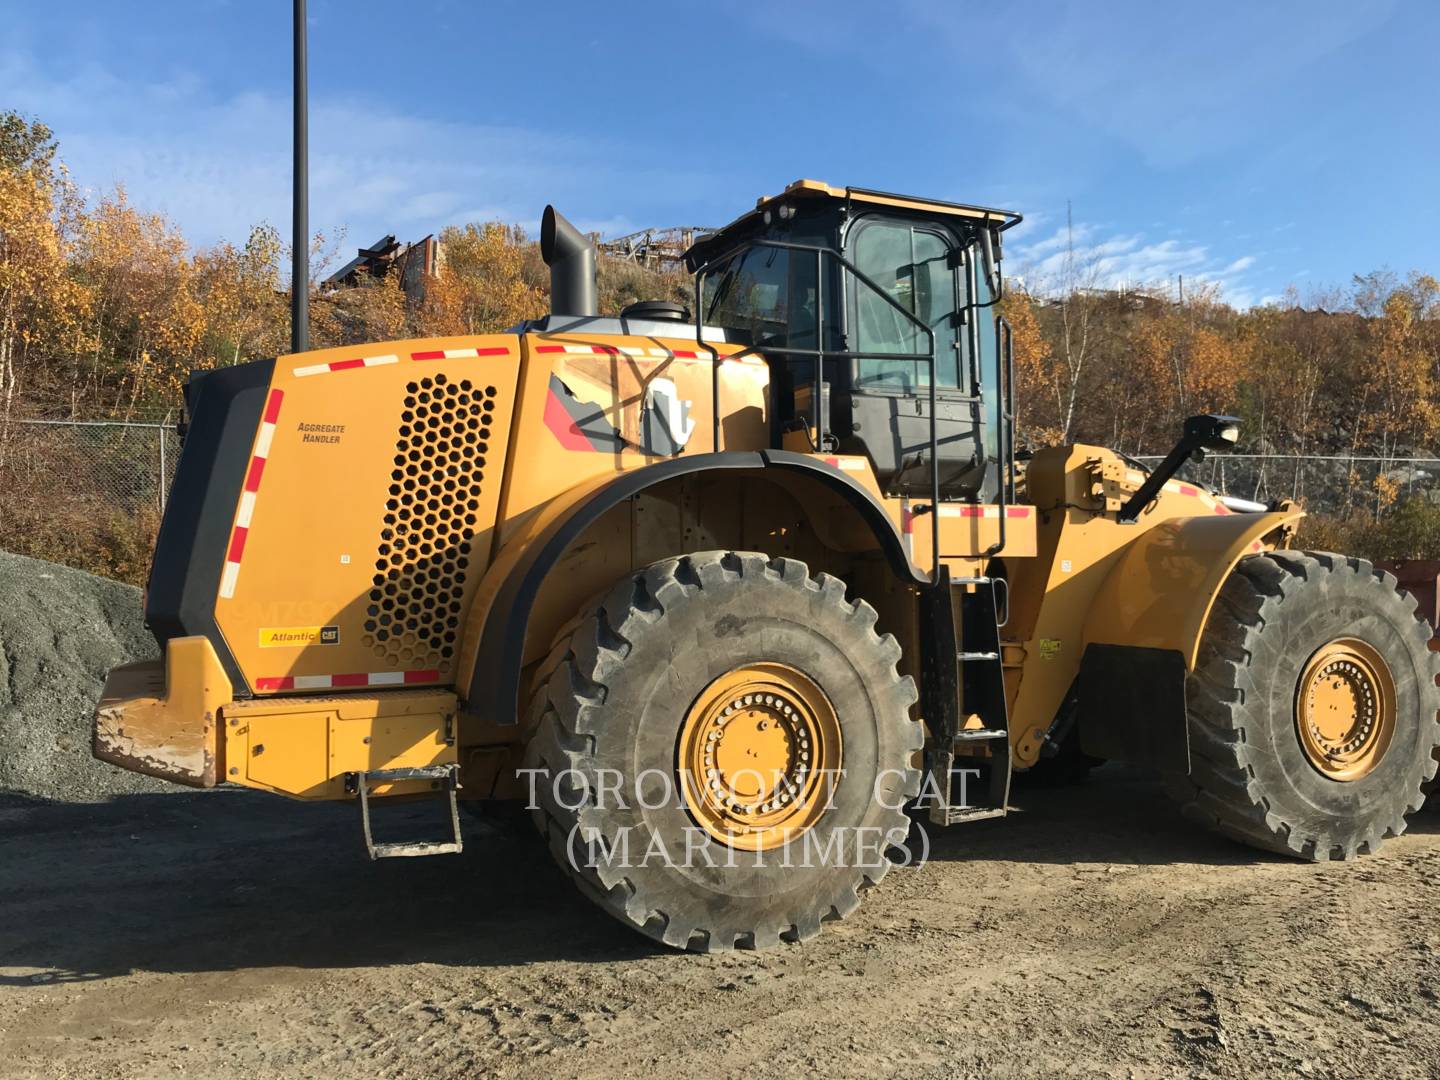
(818, 189)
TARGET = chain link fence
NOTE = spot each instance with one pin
(88, 493)
(1326, 483)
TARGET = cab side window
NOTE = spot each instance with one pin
(912, 266)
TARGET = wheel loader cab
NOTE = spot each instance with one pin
(903, 290)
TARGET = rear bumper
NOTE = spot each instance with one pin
(160, 717)
(175, 719)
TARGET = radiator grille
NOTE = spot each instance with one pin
(430, 521)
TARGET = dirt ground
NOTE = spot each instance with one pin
(1092, 933)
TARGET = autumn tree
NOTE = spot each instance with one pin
(242, 295)
(1401, 387)
(147, 319)
(26, 146)
(40, 304)
(1035, 404)
(481, 286)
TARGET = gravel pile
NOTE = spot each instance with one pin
(61, 630)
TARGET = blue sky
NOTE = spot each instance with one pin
(1256, 145)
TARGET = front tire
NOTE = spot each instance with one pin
(1312, 708)
(646, 682)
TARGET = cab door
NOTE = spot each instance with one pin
(921, 266)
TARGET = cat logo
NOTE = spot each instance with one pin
(290, 637)
(666, 424)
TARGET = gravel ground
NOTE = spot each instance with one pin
(1093, 933)
(61, 631)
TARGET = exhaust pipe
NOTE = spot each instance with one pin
(570, 254)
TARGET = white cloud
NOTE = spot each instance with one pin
(1091, 257)
(216, 166)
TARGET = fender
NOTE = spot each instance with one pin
(499, 621)
(1142, 636)
(1159, 594)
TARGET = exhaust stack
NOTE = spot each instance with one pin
(570, 254)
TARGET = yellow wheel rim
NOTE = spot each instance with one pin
(1345, 709)
(759, 754)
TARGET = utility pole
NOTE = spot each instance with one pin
(300, 198)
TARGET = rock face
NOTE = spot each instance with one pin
(61, 630)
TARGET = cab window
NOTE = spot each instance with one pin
(769, 295)
(912, 265)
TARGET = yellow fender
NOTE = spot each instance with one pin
(1159, 594)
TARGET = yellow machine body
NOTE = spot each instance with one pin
(376, 544)
(329, 696)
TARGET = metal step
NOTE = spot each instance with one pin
(955, 815)
(977, 734)
(448, 775)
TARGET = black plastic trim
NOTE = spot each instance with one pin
(495, 680)
(224, 408)
(1132, 706)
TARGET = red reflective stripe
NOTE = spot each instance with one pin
(252, 478)
(1186, 489)
(833, 462)
(272, 407)
(907, 520)
(1221, 509)
(972, 511)
(501, 351)
(550, 348)
(282, 682)
(427, 356)
(685, 354)
(341, 365)
(1017, 511)
(422, 676)
(361, 679)
(237, 544)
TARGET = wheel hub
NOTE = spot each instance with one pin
(759, 751)
(1345, 709)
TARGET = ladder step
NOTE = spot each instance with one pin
(977, 656)
(971, 734)
(424, 772)
(447, 775)
(955, 815)
(401, 851)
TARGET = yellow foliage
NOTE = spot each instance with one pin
(481, 286)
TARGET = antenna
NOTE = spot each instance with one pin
(300, 199)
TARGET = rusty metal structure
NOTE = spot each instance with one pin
(416, 262)
(658, 249)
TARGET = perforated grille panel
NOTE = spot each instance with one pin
(430, 520)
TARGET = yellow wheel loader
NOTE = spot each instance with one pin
(741, 601)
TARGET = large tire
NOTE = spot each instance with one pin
(612, 701)
(1251, 778)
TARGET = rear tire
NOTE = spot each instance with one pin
(1252, 777)
(625, 680)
